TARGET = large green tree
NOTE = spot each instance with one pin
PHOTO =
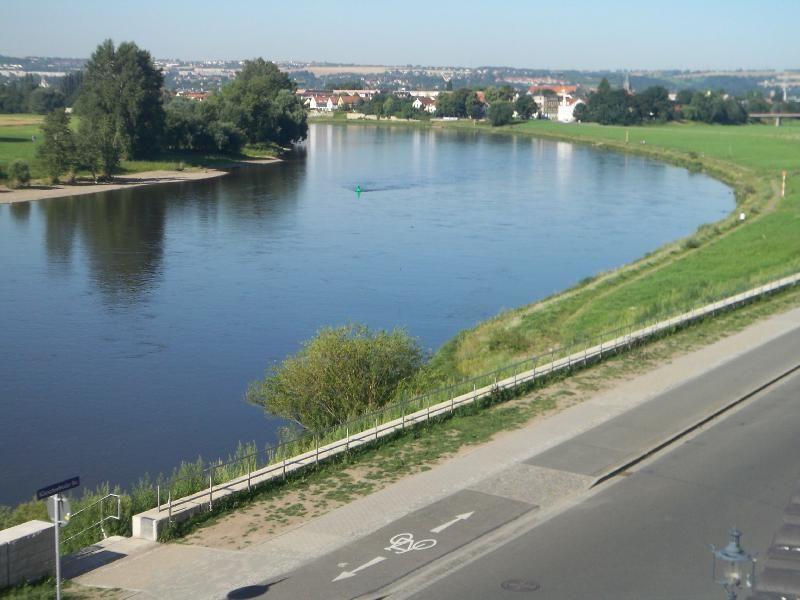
(261, 103)
(57, 150)
(120, 102)
(525, 106)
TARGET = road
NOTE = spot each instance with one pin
(646, 536)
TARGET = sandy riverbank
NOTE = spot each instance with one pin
(42, 192)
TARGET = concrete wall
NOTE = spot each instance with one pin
(27, 553)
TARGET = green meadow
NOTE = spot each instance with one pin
(719, 259)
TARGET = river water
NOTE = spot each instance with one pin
(132, 321)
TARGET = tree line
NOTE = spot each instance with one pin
(610, 106)
(124, 113)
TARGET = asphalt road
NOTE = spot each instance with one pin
(646, 536)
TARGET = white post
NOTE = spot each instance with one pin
(58, 554)
(783, 185)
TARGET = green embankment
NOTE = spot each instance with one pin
(719, 259)
(17, 133)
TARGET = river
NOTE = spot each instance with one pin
(132, 321)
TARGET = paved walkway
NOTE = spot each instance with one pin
(533, 468)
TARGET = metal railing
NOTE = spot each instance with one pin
(103, 517)
(281, 459)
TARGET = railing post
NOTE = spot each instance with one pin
(376, 429)
(403, 419)
(158, 496)
(211, 490)
(249, 471)
(316, 441)
(284, 468)
(102, 529)
(169, 502)
(347, 443)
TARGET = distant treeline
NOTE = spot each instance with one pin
(610, 106)
(26, 95)
(126, 114)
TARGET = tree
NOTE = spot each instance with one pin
(19, 175)
(610, 107)
(473, 107)
(501, 113)
(337, 375)
(45, 100)
(262, 104)
(495, 94)
(120, 101)
(713, 107)
(57, 150)
(70, 86)
(653, 104)
(525, 106)
(684, 97)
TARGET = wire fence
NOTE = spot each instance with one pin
(249, 466)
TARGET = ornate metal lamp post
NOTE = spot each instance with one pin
(733, 566)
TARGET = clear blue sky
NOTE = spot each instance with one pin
(582, 34)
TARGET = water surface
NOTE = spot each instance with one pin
(132, 321)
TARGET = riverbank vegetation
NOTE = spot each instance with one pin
(124, 117)
(339, 374)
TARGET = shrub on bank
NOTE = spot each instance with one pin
(339, 374)
(19, 174)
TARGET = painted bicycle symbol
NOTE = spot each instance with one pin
(404, 542)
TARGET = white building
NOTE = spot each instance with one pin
(425, 103)
(566, 107)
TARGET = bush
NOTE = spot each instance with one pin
(337, 375)
(19, 174)
(501, 113)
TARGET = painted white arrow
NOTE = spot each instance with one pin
(354, 572)
(461, 517)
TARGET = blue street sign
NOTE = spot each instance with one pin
(57, 488)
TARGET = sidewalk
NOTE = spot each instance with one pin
(536, 467)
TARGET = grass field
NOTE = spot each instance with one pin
(17, 133)
(719, 259)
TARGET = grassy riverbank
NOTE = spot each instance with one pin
(20, 136)
(719, 259)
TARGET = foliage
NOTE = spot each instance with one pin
(525, 106)
(19, 175)
(496, 94)
(195, 126)
(454, 104)
(608, 106)
(261, 103)
(120, 104)
(714, 107)
(501, 113)
(25, 95)
(340, 373)
(653, 104)
(57, 150)
(70, 87)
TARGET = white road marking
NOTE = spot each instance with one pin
(461, 517)
(404, 542)
(366, 565)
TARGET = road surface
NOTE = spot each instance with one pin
(647, 536)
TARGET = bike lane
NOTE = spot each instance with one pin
(395, 550)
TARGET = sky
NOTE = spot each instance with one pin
(547, 34)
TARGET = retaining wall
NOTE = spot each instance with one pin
(27, 553)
